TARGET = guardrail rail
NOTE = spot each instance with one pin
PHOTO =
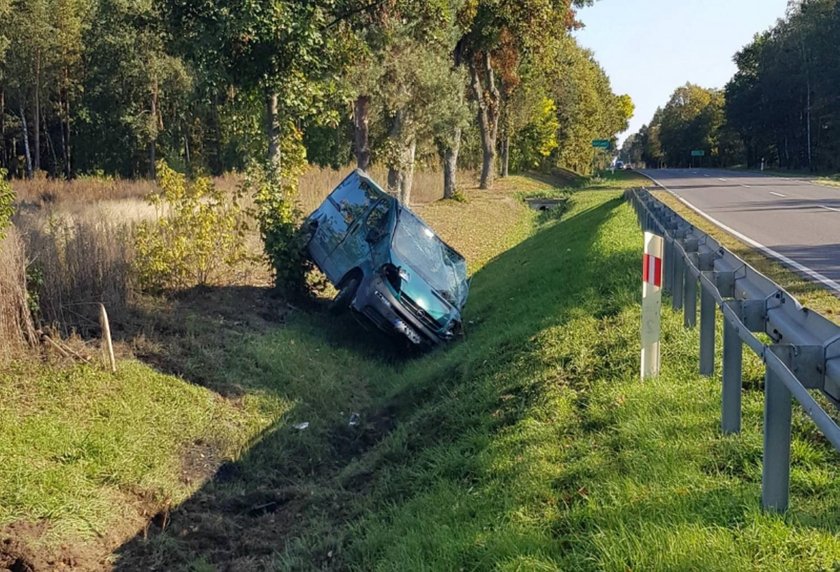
(803, 355)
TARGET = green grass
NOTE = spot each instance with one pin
(528, 445)
(81, 449)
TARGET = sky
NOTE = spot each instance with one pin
(651, 47)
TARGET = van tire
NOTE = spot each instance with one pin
(345, 296)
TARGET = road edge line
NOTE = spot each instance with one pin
(813, 274)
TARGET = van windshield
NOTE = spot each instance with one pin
(440, 266)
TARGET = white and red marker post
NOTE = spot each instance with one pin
(651, 304)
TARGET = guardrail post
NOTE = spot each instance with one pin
(690, 300)
(707, 333)
(668, 265)
(775, 476)
(732, 380)
(679, 280)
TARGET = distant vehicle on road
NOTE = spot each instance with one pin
(387, 264)
(619, 164)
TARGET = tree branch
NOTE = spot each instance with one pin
(353, 12)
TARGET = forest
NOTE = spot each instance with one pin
(780, 109)
(110, 87)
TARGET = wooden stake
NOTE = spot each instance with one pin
(107, 344)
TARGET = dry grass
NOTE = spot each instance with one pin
(16, 328)
(78, 237)
(77, 263)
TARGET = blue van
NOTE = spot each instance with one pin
(387, 264)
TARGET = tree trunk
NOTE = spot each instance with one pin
(153, 135)
(3, 153)
(361, 121)
(488, 116)
(68, 169)
(26, 150)
(450, 165)
(36, 118)
(408, 178)
(272, 125)
(505, 155)
(401, 163)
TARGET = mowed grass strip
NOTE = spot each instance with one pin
(87, 453)
(536, 447)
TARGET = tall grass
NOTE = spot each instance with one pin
(78, 236)
(16, 328)
(78, 263)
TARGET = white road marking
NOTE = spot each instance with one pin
(722, 179)
(746, 186)
(755, 244)
(778, 194)
(829, 208)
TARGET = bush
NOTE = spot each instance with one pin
(7, 203)
(279, 217)
(199, 232)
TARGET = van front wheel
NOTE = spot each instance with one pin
(345, 296)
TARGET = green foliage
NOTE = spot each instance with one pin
(278, 215)
(7, 203)
(538, 139)
(198, 233)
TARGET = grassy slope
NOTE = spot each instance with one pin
(550, 455)
(528, 446)
(89, 453)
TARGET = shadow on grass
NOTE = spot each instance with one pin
(303, 499)
(294, 482)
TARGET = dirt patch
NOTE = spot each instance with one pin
(198, 462)
(21, 550)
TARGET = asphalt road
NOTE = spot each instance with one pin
(793, 220)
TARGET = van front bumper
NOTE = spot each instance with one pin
(381, 307)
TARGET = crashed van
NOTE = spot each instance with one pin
(387, 264)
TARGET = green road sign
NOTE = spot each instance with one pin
(698, 153)
(601, 143)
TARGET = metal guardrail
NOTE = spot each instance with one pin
(803, 356)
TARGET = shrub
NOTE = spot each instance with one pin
(279, 217)
(199, 232)
(7, 203)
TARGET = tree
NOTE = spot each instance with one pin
(133, 88)
(498, 33)
(280, 49)
(691, 121)
(30, 47)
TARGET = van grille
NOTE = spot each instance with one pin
(425, 318)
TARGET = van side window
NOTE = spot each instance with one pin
(377, 220)
(353, 199)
